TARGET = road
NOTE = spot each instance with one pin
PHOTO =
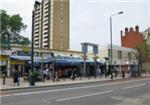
(118, 92)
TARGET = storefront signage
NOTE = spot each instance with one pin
(5, 52)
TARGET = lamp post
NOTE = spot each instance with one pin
(111, 53)
(32, 78)
(53, 66)
(71, 59)
(42, 63)
(111, 49)
(96, 66)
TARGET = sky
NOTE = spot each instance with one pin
(89, 19)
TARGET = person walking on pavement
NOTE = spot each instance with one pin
(16, 77)
(99, 72)
(111, 72)
(123, 74)
(72, 74)
(47, 73)
(44, 74)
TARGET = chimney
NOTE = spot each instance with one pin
(121, 33)
(126, 31)
(131, 29)
(137, 28)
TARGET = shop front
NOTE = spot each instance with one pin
(4, 64)
(17, 65)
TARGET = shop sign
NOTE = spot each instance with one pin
(5, 52)
(2, 63)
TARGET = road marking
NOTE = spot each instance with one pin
(134, 86)
(4, 93)
(46, 101)
(88, 95)
(73, 88)
(128, 101)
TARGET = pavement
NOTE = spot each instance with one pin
(25, 84)
(9, 85)
(134, 91)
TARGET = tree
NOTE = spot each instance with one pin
(142, 54)
(11, 26)
(24, 41)
(4, 24)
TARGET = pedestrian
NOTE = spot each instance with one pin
(72, 74)
(51, 72)
(16, 77)
(99, 72)
(47, 73)
(123, 74)
(44, 74)
(64, 74)
(57, 76)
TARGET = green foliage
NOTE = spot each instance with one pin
(23, 41)
(4, 24)
(148, 50)
(36, 73)
(11, 26)
(142, 51)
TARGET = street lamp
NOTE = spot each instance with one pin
(53, 66)
(111, 52)
(32, 78)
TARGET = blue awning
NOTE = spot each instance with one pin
(65, 61)
(92, 62)
(25, 58)
(58, 60)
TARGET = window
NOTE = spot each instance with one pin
(46, 15)
(37, 24)
(136, 56)
(129, 55)
(119, 54)
(45, 33)
(46, 12)
(45, 46)
(36, 32)
(109, 53)
(46, 8)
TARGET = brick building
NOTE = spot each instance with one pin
(131, 37)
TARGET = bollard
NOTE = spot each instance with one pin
(4, 79)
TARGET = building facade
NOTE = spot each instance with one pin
(120, 55)
(18, 56)
(131, 37)
(51, 24)
(123, 59)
